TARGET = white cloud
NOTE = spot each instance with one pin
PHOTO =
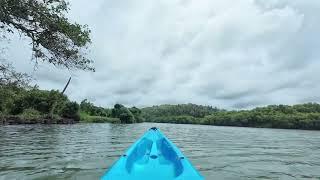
(226, 53)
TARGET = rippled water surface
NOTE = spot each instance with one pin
(85, 151)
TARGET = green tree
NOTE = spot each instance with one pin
(126, 116)
(71, 110)
(137, 113)
(53, 37)
(123, 113)
(8, 96)
(116, 111)
(92, 110)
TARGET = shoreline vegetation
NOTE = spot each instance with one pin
(34, 106)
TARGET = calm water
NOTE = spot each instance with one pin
(85, 151)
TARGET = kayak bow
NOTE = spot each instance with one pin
(154, 157)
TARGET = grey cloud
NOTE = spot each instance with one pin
(235, 95)
(51, 75)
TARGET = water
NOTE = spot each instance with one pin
(85, 151)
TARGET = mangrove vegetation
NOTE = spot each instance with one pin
(20, 105)
(301, 116)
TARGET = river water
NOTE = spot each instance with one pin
(85, 151)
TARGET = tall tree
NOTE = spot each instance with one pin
(54, 38)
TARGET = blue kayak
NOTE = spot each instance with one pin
(154, 157)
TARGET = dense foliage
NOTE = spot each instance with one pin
(92, 110)
(193, 110)
(38, 104)
(19, 101)
(302, 116)
(54, 38)
(71, 110)
(119, 113)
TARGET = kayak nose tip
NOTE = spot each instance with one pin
(154, 128)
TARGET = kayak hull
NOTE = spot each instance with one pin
(155, 157)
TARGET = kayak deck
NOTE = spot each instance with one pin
(153, 156)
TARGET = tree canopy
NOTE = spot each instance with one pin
(54, 38)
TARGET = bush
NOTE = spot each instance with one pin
(123, 113)
(30, 114)
(97, 119)
(126, 117)
(71, 110)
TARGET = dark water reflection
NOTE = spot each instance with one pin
(85, 151)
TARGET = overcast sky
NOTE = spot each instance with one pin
(224, 53)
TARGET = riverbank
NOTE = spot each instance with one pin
(19, 119)
(84, 118)
(304, 121)
(35, 106)
(15, 120)
(282, 124)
